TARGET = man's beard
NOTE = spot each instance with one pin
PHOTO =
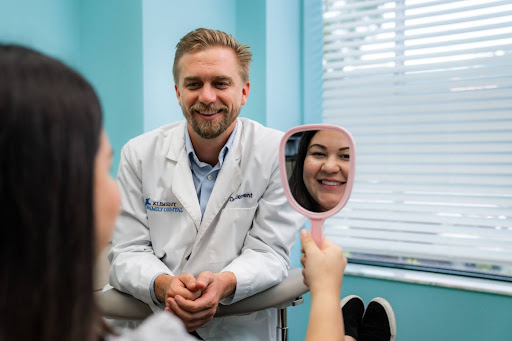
(211, 129)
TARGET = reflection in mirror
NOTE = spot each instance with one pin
(317, 168)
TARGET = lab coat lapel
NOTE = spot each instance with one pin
(182, 182)
(228, 181)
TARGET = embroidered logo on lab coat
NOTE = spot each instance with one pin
(163, 206)
(240, 196)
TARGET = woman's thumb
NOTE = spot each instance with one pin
(307, 241)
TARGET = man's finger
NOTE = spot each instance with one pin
(191, 320)
(184, 315)
(204, 279)
(189, 306)
(202, 303)
(189, 295)
(189, 281)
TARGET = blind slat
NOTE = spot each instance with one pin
(411, 86)
(399, 70)
(350, 38)
(437, 197)
(462, 53)
(428, 238)
(447, 221)
(347, 14)
(374, 119)
(481, 227)
(429, 251)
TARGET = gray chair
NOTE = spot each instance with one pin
(118, 305)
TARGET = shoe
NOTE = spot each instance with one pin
(379, 323)
(352, 309)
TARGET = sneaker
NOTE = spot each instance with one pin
(352, 309)
(379, 323)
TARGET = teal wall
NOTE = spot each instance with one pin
(101, 39)
(51, 29)
(251, 29)
(111, 58)
(284, 73)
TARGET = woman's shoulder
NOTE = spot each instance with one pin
(161, 326)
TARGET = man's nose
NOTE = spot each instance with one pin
(208, 94)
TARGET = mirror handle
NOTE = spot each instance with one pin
(316, 230)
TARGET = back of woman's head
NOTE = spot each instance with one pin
(50, 124)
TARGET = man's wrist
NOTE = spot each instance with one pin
(228, 282)
(160, 287)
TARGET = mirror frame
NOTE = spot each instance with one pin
(316, 218)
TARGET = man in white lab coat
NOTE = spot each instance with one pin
(204, 219)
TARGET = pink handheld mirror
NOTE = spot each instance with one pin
(317, 165)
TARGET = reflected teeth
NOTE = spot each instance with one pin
(331, 183)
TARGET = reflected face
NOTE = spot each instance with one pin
(107, 199)
(326, 168)
(210, 91)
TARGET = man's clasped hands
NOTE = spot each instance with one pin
(194, 300)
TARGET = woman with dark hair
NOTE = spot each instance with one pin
(319, 178)
(60, 201)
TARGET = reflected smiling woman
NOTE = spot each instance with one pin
(319, 178)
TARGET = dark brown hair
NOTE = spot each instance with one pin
(50, 124)
(296, 181)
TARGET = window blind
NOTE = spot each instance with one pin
(425, 88)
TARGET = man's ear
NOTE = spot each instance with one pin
(245, 92)
(178, 95)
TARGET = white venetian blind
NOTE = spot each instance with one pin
(425, 88)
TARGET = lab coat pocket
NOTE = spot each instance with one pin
(229, 233)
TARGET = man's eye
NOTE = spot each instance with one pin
(192, 85)
(345, 156)
(222, 84)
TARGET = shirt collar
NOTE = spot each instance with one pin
(223, 152)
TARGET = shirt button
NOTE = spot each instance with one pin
(209, 177)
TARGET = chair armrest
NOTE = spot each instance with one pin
(118, 305)
(279, 296)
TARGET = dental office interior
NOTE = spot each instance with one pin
(423, 86)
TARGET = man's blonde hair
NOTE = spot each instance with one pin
(203, 38)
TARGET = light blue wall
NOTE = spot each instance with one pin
(101, 39)
(164, 23)
(251, 29)
(284, 74)
(49, 29)
(312, 52)
(111, 58)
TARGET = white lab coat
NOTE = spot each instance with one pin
(161, 326)
(248, 226)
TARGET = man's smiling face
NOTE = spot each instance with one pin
(210, 90)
